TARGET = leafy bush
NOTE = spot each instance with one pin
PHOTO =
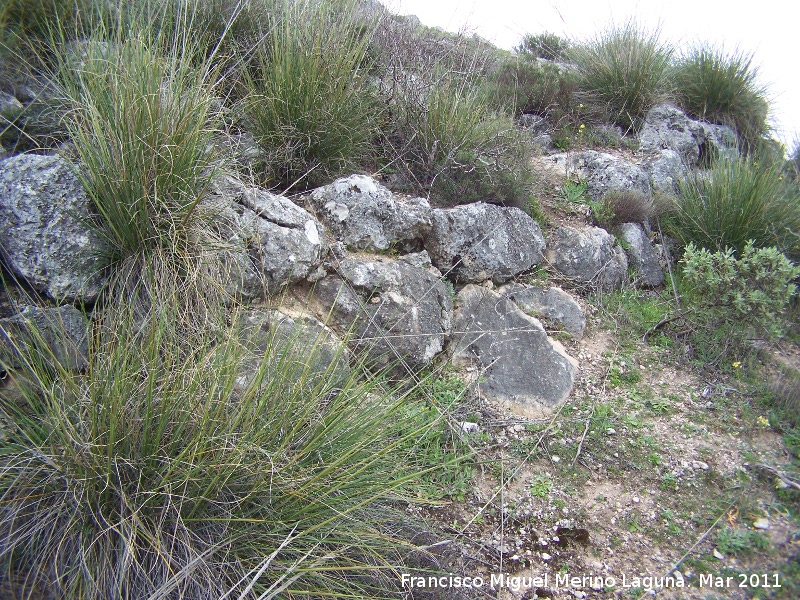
(307, 99)
(624, 72)
(530, 87)
(723, 88)
(188, 465)
(736, 201)
(752, 290)
(544, 45)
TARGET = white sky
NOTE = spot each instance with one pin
(767, 28)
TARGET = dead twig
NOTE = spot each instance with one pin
(700, 540)
(780, 475)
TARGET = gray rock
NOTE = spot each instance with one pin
(367, 216)
(588, 256)
(285, 243)
(315, 351)
(519, 365)
(668, 127)
(666, 170)
(642, 256)
(398, 314)
(61, 334)
(554, 305)
(480, 242)
(602, 172)
(44, 235)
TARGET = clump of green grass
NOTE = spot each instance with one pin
(176, 465)
(530, 87)
(624, 72)
(723, 88)
(307, 97)
(741, 542)
(142, 117)
(736, 201)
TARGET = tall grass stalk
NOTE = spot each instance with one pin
(736, 201)
(181, 465)
(624, 71)
(307, 96)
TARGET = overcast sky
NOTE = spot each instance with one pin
(767, 28)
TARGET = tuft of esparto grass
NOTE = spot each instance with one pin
(723, 88)
(178, 464)
(736, 201)
(624, 72)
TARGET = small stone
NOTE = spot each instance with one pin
(555, 459)
(699, 465)
(718, 555)
(635, 499)
(762, 523)
(546, 557)
(611, 431)
(468, 427)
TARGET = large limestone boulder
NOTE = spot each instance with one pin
(45, 237)
(642, 256)
(668, 127)
(666, 170)
(519, 366)
(480, 242)
(398, 314)
(602, 172)
(555, 306)
(367, 216)
(588, 256)
(284, 243)
(62, 334)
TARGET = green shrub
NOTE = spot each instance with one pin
(723, 88)
(736, 201)
(544, 45)
(623, 72)
(752, 290)
(530, 87)
(192, 465)
(307, 97)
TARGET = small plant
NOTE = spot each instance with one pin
(629, 206)
(541, 486)
(741, 542)
(719, 87)
(544, 45)
(623, 72)
(529, 87)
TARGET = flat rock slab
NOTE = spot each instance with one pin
(588, 256)
(520, 367)
(44, 233)
(480, 242)
(397, 314)
(365, 215)
(554, 305)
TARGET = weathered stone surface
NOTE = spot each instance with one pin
(588, 256)
(666, 170)
(285, 243)
(668, 127)
(367, 216)
(554, 305)
(519, 365)
(44, 236)
(63, 331)
(393, 311)
(641, 255)
(313, 347)
(478, 242)
(602, 172)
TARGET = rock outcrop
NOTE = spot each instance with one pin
(367, 216)
(481, 242)
(602, 172)
(555, 306)
(641, 255)
(398, 314)
(588, 256)
(519, 366)
(45, 233)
